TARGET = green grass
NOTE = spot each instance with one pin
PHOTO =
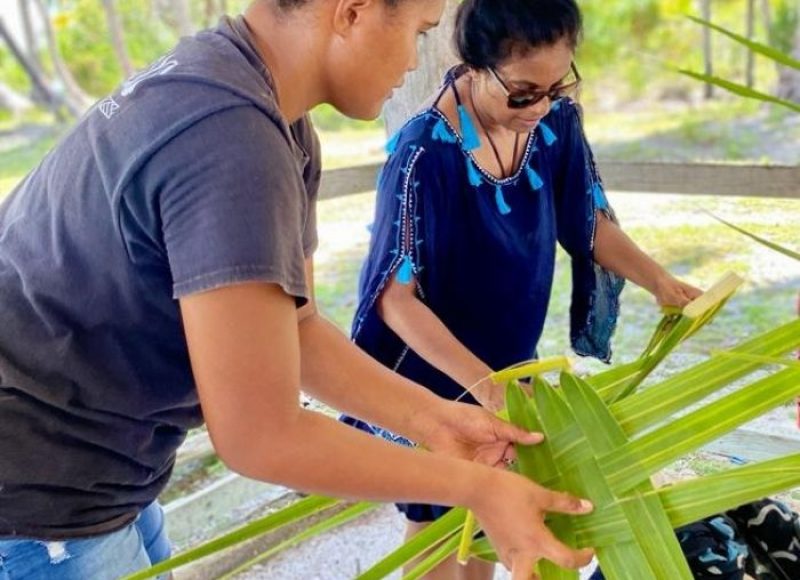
(721, 130)
(352, 147)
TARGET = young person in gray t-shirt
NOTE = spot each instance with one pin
(156, 271)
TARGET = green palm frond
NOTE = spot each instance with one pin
(675, 327)
(759, 239)
(300, 510)
(757, 47)
(773, 54)
(739, 89)
(607, 449)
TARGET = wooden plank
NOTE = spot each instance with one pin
(349, 180)
(703, 179)
(678, 178)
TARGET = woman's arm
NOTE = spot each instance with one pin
(389, 397)
(615, 251)
(423, 331)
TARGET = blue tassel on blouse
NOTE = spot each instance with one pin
(391, 145)
(534, 178)
(469, 134)
(406, 271)
(475, 179)
(500, 200)
(442, 133)
(600, 201)
(547, 134)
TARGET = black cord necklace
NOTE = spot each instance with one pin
(503, 174)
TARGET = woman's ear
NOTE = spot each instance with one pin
(349, 13)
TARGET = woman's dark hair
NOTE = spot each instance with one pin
(488, 31)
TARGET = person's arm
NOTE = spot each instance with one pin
(391, 400)
(615, 251)
(415, 323)
(245, 348)
(588, 234)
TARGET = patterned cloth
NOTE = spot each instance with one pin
(772, 531)
(761, 539)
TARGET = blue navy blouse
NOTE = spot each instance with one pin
(482, 250)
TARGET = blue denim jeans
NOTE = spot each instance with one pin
(107, 557)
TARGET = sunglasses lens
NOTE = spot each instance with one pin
(523, 102)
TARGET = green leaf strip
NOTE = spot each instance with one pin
(297, 511)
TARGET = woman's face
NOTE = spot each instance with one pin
(379, 48)
(530, 72)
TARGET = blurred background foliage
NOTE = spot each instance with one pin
(627, 47)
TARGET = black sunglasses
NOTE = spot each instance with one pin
(525, 99)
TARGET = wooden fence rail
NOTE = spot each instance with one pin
(770, 181)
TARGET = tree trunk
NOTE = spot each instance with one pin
(210, 13)
(750, 31)
(31, 48)
(117, 37)
(77, 99)
(435, 57)
(40, 90)
(183, 17)
(708, 63)
(789, 78)
(766, 17)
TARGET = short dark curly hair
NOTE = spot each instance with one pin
(289, 4)
(488, 31)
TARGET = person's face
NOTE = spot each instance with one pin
(522, 74)
(375, 48)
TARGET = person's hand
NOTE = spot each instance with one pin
(470, 432)
(669, 291)
(490, 395)
(511, 510)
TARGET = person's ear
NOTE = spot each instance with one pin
(349, 13)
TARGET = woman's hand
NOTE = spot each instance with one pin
(490, 395)
(615, 251)
(669, 291)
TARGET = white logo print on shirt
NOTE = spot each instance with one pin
(108, 107)
(161, 66)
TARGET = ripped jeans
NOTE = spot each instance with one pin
(107, 557)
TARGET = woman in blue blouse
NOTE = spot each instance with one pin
(477, 191)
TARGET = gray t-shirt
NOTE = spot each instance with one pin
(185, 179)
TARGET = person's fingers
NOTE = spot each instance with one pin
(561, 554)
(564, 503)
(693, 292)
(508, 432)
(492, 455)
(522, 566)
